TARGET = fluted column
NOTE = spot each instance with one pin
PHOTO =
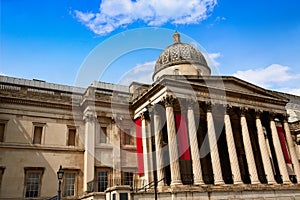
(278, 152)
(172, 141)
(144, 117)
(90, 118)
(159, 147)
(234, 163)
(292, 149)
(264, 151)
(248, 149)
(197, 171)
(215, 159)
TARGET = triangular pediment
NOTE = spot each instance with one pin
(237, 85)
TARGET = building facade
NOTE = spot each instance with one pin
(189, 135)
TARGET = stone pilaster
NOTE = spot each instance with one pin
(264, 150)
(248, 149)
(116, 143)
(159, 147)
(197, 171)
(215, 159)
(173, 150)
(278, 151)
(234, 164)
(144, 118)
(90, 118)
(292, 149)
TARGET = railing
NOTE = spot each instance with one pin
(148, 186)
(53, 198)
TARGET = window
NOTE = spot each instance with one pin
(37, 134)
(33, 179)
(69, 184)
(102, 177)
(128, 178)
(127, 138)
(123, 196)
(103, 135)
(72, 136)
(2, 128)
(1, 175)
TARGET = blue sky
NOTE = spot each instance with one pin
(52, 40)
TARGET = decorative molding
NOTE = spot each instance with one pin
(258, 113)
(228, 108)
(89, 116)
(168, 100)
(145, 115)
(243, 111)
(191, 103)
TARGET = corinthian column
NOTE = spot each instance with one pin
(292, 150)
(198, 179)
(172, 141)
(90, 118)
(234, 164)
(158, 147)
(278, 152)
(215, 159)
(264, 150)
(248, 149)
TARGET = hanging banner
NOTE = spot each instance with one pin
(283, 145)
(139, 146)
(182, 137)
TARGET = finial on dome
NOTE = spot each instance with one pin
(176, 37)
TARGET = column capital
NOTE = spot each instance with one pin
(272, 116)
(258, 113)
(243, 111)
(191, 103)
(228, 108)
(168, 100)
(144, 115)
(208, 106)
(285, 117)
(90, 117)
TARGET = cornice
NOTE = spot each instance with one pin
(42, 147)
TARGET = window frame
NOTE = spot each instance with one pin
(109, 175)
(124, 178)
(40, 125)
(2, 169)
(31, 170)
(126, 136)
(2, 121)
(70, 127)
(70, 171)
(103, 132)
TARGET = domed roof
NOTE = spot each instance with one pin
(179, 53)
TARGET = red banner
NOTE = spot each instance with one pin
(182, 137)
(139, 146)
(283, 145)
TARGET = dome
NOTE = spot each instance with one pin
(180, 59)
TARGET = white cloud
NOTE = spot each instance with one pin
(266, 77)
(212, 60)
(114, 14)
(140, 73)
(275, 77)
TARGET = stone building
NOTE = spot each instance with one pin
(189, 135)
